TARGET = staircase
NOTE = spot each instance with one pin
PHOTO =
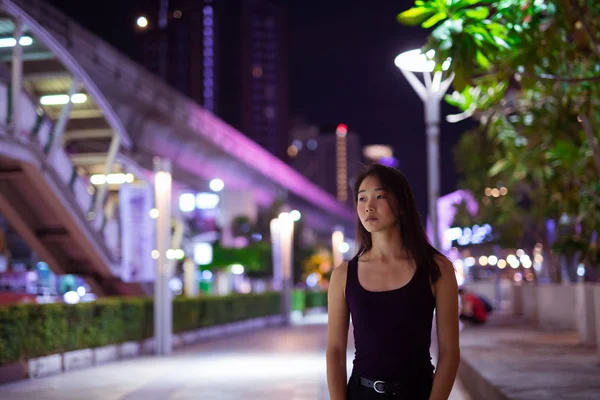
(50, 206)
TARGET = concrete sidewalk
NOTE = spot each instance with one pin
(509, 359)
(275, 363)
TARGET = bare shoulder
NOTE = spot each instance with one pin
(338, 315)
(447, 282)
(338, 277)
(341, 269)
(445, 265)
(340, 272)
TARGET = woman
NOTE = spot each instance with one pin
(390, 289)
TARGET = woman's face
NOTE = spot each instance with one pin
(373, 206)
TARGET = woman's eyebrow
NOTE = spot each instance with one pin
(364, 190)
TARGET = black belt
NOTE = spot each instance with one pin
(380, 386)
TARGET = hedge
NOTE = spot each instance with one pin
(298, 300)
(35, 330)
(194, 313)
(316, 299)
(302, 300)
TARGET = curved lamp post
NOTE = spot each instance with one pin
(431, 92)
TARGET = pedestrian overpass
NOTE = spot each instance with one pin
(71, 106)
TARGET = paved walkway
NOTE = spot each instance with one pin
(523, 363)
(272, 364)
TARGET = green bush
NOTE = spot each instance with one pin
(34, 330)
(13, 321)
(206, 311)
(46, 330)
(298, 300)
(316, 299)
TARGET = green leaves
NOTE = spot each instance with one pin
(479, 13)
(498, 167)
(518, 68)
(501, 42)
(478, 35)
(563, 153)
(482, 60)
(475, 98)
(434, 20)
(416, 15)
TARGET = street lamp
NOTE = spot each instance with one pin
(337, 238)
(431, 93)
(163, 318)
(142, 22)
(282, 236)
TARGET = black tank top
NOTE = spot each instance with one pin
(392, 329)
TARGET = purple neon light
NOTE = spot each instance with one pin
(191, 160)
(389, 161)
(446, 212)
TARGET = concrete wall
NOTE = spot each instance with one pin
(597, 317)
(530, 303)
(584, 310)
(556, 306)
(517, 299)
(488, 290)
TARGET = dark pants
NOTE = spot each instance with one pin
(419, 389)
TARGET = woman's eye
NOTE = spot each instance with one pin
(381, 196)
(361, 199)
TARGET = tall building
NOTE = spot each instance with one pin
(329, 156)
(230, 56)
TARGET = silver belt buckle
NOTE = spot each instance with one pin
(375, 386)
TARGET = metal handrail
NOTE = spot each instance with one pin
(34, 145)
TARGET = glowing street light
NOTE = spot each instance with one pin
(187, 202)
(216, 185)
(12, 42)
(237, 269)
(296, 215)
(111, 179)
(142, 22)
(431, 93)
(344, 248)
(60, 99)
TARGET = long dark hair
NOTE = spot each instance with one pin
(402, 201)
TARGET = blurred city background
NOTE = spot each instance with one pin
(176, 187)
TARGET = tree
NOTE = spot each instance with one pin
(529, 72)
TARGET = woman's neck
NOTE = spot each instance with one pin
(387, 245)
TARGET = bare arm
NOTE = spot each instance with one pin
(337, 333)
(446, 301)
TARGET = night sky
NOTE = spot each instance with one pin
(341, 69)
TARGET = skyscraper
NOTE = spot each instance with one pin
(230, 56)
